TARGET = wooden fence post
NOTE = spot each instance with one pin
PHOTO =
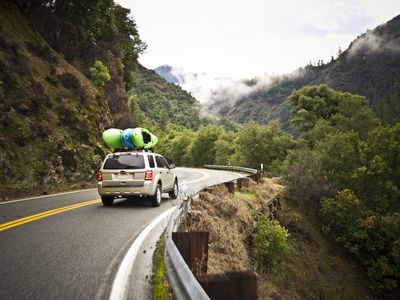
(230, 186)
(239, 183)
(193, 247)
(230, 286)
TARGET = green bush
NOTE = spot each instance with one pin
(99, 74)
(373, 239)
(270, 240)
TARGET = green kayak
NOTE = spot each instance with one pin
(143, 139)
(113, 138)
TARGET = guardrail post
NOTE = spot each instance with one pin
(257, 177)
(239, 183)
(230, 186)
(230, 286)
(193, 247)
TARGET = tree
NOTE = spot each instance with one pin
(325, 107)
(389, 107)
(99, 74)
(202, 149)
(266, 144)
(312, 103)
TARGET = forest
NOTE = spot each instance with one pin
(342, 170)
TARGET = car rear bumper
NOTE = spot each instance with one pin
(146, 190)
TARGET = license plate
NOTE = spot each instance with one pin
(124, 177)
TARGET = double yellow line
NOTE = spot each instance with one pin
(45, 214)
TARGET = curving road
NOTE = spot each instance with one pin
(70, 246)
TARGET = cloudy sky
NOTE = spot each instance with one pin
(244, 38)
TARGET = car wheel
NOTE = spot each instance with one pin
(155, 200)
(107, 200)
(175, 192)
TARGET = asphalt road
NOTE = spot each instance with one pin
(74, 252)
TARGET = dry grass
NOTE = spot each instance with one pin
(230, 221)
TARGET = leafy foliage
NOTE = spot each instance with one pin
(250, 146)
(266, 144)
(373, 239)
(348, 153)
(99, 74)
(164, 103)
(344, 111)
(269, 241)
(87, 31)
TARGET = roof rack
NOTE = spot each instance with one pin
(134, 150)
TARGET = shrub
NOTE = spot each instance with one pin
(269, 241)
(372, 238)
(99, 74)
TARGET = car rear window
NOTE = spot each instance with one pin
(125, 161)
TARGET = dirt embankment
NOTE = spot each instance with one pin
(313, 268)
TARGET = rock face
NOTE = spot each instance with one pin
(51, 117)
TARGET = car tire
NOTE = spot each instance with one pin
(155, 200)
(175, 192)
(107, 200)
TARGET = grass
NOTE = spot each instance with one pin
(247, 195)
(159, 279)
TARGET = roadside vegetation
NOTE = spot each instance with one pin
(342, 172)
(159, 278)
(291, 256)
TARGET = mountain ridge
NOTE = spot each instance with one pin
(370, 66)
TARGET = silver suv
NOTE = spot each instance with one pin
(136, 173)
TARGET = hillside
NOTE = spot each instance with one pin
(160, 102)
(52, 115)
(369, 67)
(87, 31)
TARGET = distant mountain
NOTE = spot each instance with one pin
(199, 85)
(166, 72)
(369, 67)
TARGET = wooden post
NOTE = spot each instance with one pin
(230, 186)
(193, 247)
(257, 177)
(239, 183)
(230, 286)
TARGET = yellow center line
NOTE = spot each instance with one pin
(45, 214)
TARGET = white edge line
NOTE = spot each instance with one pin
(120, 284)
(46, 196)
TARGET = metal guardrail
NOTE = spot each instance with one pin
(183, 282)
(231, 168)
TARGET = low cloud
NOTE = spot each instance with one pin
(228, 93)
(370, 42)
(218, 95)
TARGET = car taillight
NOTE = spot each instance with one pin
(99, 176)
(149, 175)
